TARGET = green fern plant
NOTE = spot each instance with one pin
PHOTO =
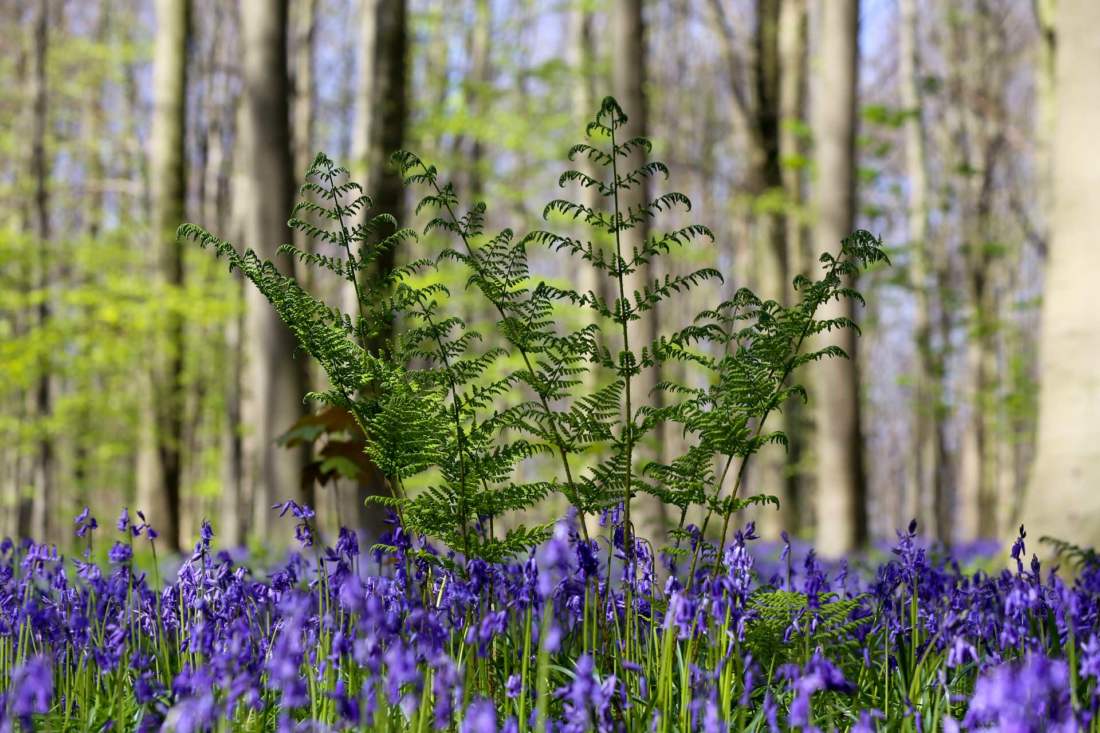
(463, 406)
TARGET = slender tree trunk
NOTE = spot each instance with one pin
(581, 59)
(42, 503)
(303, 99)
(477, 91)
(629, 80)
(841, 508)
(305, 24)
(769, 470)
(276, 367)
(159, 490)
(302, 127)
(381, 115)
(1062, 498)
(1044, 92)
(979, 142)
(221, 206)
(793, 24)
(925, 496)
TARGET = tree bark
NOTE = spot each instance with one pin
(978, 97)
(585, 106)
(381, 115)
(629, 81)
(302, 119)
(768, 215)
(1062, 499)
(841, 507)
(925, 497)
(276, 367)
(160, 485)
(793, 25)
(477, 91)
(38, 514)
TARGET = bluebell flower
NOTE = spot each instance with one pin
(119, 553)
(31, 690)
(1028, 697)
(480, 717)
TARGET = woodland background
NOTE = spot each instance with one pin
(136, 372)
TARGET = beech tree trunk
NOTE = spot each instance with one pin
(1062, 499)
(792, 160)
(979, 98)
(925, 496)
(276, 367)
(841, 506)
(629, 78)
(381, 115)
(36, 514)
(477, 91)
(160, 483)
(768, 474)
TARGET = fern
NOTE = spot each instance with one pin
(783, 627)
(1077, 556)
(435, 397)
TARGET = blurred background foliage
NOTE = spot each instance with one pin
(129, 366)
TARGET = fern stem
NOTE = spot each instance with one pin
(620, 266)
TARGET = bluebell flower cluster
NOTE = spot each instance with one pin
(578, 636)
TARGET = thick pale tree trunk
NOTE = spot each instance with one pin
(275, 366)
(1063, 498)
(629, 79)
(160, 483)
(841, 505)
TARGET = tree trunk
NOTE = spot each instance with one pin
(1062, 499)
(792, 154)
(477, 91)
(979, 98)
(925, 495)
(276, 367)
(769, 470)
(841, 508)
(1044, 92)
(629, 80)
(302, 127)
(221, 208)
(42, 503)
(159, 487)
(381, 114)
